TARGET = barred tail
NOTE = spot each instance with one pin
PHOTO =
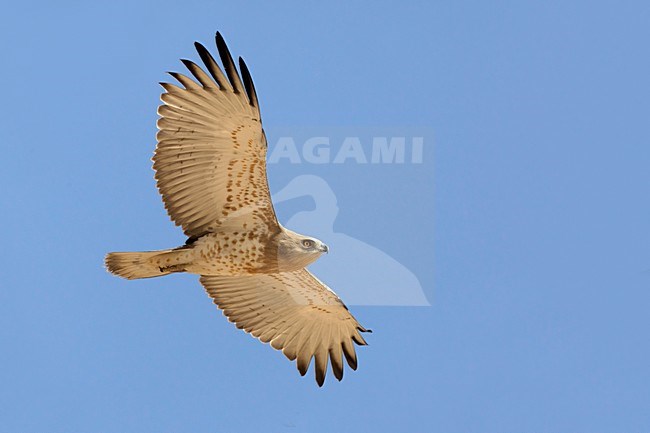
(146, 264)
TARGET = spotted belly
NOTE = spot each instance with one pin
(227, 254)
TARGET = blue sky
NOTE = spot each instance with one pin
(526, 223)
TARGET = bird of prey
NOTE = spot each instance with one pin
(210, 168)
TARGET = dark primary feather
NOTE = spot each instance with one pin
(337, 362)
(229, 64)
(199, 74)
(248, 83)
(350, 354)
(185, 81)
(213, 67)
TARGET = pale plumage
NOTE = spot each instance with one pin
(210, 166)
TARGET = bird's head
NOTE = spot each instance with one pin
(295, 251)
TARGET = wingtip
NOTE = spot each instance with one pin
(200, 47)
(302, 365)
(359, 340)
(221, 42)
(242, 64)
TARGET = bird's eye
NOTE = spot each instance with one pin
(307, 243)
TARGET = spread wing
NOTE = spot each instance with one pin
(293, 311)
(210, 160)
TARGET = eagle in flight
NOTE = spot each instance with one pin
(210, 168)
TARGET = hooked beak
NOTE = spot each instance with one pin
(324, 248)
